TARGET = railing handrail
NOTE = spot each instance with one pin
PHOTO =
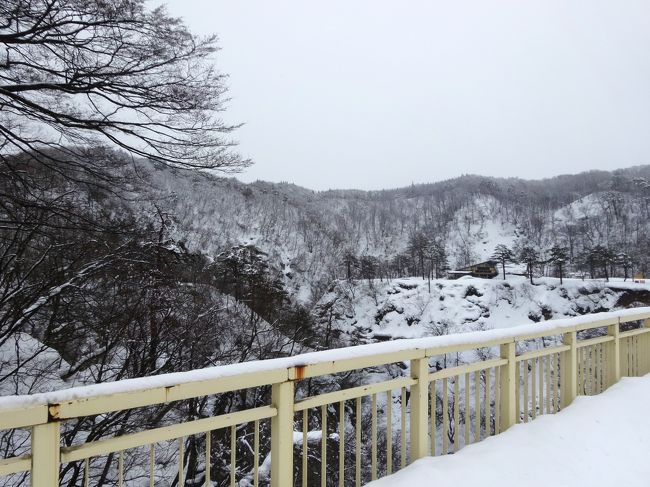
(29, 410)
(565, 369)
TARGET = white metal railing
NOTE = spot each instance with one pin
(458, 390)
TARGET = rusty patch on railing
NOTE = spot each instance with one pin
(53, 412)
(300, 371)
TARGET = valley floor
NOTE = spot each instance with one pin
(598, 441)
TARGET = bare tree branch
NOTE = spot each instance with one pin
(82, 72)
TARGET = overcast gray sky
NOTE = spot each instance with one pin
(373, 94)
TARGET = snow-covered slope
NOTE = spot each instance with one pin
(363, 311)
(477, 229)
(29, 367)
(306, 233)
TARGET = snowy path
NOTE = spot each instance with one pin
(598, 441)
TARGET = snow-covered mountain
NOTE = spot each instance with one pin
(306, 233)
(175, 244)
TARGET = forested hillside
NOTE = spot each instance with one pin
(313, 237)
(186, 241)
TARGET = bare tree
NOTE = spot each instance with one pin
(76, 73)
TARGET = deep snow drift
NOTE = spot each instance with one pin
(598, 441)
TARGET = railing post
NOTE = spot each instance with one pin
(645, 349)
(615, 366)
(569, 369)
(46, 454)
(282, 396)
(508, 377)
(419, 417)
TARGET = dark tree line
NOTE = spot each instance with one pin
(597, 261)
(424, 256)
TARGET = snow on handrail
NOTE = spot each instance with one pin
(445, 408)
(464, 340)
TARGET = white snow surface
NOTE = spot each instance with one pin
(597, 441)
(415, 308)
(479, 226)
(551, 327)
(44, 368)
(590, 206)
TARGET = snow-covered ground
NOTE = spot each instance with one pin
(597, 441)
(414, 308)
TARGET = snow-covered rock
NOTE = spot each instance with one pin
(364, 311)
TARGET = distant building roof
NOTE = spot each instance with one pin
(487, 269)
(491, 263)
